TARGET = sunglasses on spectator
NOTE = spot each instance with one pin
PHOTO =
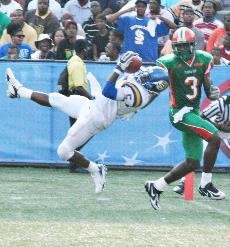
(20, 36)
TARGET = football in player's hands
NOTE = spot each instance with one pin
(134, 65)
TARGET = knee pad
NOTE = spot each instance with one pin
(64, 152)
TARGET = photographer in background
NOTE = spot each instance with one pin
(73, 81)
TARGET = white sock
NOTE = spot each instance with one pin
(160, 184)
(205, 179)
(182, 179)
(24, 92)
(92, 167)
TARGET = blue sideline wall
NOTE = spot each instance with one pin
(32, 133)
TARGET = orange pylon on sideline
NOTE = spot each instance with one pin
(189, 187)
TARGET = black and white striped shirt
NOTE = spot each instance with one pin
(220, 109)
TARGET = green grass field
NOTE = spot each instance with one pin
(47, 207)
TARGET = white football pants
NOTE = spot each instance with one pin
(86, 126)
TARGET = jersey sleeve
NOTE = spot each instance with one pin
(128, 92)
(208, 63)
(162, 29)
(121, 23)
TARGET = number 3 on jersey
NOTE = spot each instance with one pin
(193, 83)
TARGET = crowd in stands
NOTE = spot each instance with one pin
(49, 29)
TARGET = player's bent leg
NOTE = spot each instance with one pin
(207, 188)
(210, 153)
(98, 171)
(73, 106)
(181, 170)
(78, 134)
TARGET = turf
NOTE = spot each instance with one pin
(47, 207)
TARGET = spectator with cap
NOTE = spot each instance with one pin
(188, 17)
(17, 36)
(217, 37)
(140, 32)
(9, 6)
(42, 19)
(43, 45)
(66, 17)
(208, 23)
(28, 31)
(79, 9)
(178, 9)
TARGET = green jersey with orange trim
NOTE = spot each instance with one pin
(186, 78)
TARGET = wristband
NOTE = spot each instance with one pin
(117, 71)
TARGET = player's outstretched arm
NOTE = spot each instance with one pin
(109, 90)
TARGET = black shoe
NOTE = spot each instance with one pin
(211, 191)
(179, 189)
(154, 194)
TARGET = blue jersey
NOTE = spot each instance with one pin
(25, 50)
(137, 37)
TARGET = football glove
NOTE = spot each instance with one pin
(214, 92)
(125, 60)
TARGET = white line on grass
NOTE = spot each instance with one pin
(220, 211)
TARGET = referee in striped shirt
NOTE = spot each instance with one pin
(218, 113)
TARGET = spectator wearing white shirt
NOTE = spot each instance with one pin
(9, 6)
(79, 9)
(208, 23)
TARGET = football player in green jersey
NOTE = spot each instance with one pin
(189, 70)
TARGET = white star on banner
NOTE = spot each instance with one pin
(131, 161)
(131, 142)
(163, 141)
(102, 157)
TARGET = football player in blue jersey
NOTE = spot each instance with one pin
(119, 99)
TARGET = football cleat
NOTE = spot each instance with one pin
(13, 84)
(179, 189)
(99, 178)
(154, 194)
(211, 191)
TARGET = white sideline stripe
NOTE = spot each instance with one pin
(220, 211)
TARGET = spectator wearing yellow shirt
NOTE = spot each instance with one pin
(77, 79)
(28, 31)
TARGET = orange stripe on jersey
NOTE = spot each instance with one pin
(136, 92)
(172, 96)
(205, 134)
